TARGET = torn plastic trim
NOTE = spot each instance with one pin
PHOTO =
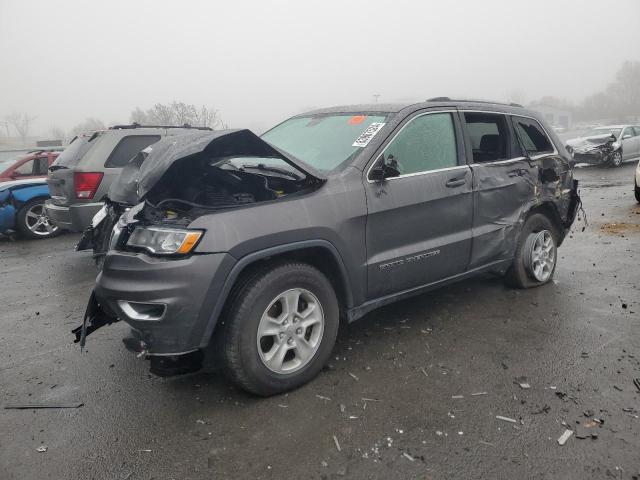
(94, 318)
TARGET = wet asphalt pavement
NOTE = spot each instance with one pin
(384, 407)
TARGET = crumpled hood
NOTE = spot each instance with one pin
(139, 177)
(590, 142)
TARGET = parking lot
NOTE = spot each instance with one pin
(412, 390)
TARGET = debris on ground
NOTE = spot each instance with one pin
(322, 397)
(478, 393)
(545, 409)
(408, 457)
(335, 440)
(41, 449)
(564, 437)
(457, 397)
(636, 382)
(523, 382)
(506, 419)
(29, 406)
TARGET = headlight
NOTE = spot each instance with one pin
(615, 145)
(164, 241)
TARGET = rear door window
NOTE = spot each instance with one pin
(127, 148)
(532, 136)
(489, 136)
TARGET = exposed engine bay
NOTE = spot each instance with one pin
(201, 185)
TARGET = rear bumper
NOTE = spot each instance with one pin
(75, 217)
(185, 290)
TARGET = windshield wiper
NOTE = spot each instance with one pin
(266, 168)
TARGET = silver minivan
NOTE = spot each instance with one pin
(80, 177)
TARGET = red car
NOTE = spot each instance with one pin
(32, 165)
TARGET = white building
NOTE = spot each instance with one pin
(554, 116)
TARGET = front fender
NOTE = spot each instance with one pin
(220, 288)
(23, 195)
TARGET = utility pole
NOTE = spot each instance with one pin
(375, 97)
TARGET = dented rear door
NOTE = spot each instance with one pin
(504, 183)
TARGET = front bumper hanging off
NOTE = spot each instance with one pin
(94, 318)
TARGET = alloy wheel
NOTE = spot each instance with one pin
(290, 331)
(541, 255)
(38, 222)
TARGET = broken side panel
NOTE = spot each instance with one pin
(502, 192)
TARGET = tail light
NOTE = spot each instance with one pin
(86, 184)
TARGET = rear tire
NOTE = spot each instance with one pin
(636, 190)
(536, 255)
(33, 222)
(279, 329)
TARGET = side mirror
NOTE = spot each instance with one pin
(384, 168)
(377, 173)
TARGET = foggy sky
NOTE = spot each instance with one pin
(260, 61)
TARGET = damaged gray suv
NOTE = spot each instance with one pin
(251, 250)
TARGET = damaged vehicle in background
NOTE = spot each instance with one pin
(250, 250)
(606, 146)
(22, 209)
(80, 178)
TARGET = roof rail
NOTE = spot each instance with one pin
(447, 99)
(137, 125)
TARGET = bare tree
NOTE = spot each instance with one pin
(625, 90)
(138, 116)
(179, 113)
(209, 117)
(161, 114)
(183, 113)
(21, 122)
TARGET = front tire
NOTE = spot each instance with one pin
(33, 222)
(536, 254)
(616, 159)
(279, 329)
(636, 190)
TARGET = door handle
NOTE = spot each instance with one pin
(455, 182)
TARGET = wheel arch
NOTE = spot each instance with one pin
(549, 210)
(24, 195)
(320, 254)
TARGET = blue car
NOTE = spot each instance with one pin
(22, 208)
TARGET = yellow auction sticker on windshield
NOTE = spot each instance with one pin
(366, 136)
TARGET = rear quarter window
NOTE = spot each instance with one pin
(127, 148)
(77, 149)
(532, 136)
